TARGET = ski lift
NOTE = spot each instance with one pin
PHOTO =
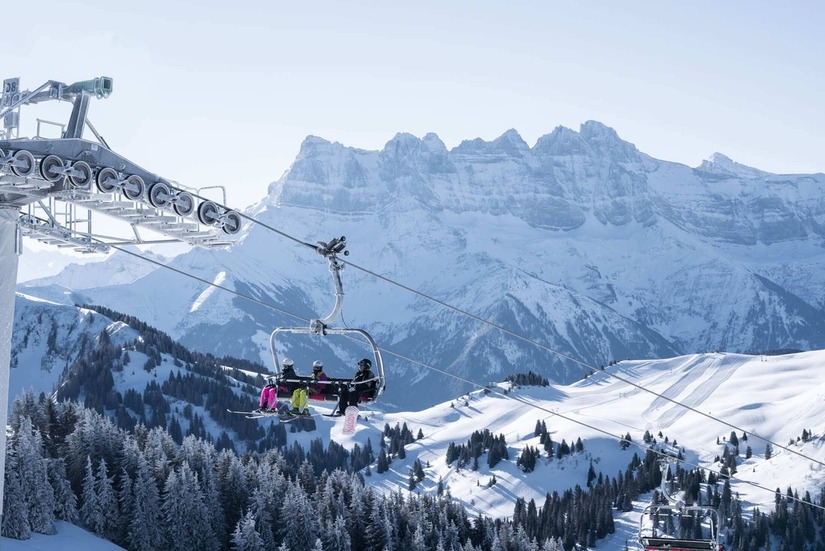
(674, 526)
(321, 328)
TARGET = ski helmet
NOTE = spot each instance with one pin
(317, 365)
(365, 362)
(288, 362)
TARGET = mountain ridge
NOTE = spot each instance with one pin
(656, 258)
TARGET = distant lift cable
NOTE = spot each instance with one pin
(470, 382)
(511, 333)
(534, 405)
(483, 321)
(577, 361)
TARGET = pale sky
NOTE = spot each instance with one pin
(223, 93)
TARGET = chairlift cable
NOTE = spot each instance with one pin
(577, 361)
(210, 283)
(495, 326)
(519, 399)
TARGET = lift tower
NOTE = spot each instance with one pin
(49, 188)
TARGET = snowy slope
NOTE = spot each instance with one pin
(68, 538)
(739, 390)
(629, 397)
(48, 337)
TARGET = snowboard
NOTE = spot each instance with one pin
(350, 416)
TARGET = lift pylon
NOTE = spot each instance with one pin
(49, 188)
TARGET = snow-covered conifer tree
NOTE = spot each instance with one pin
(90, 508)
(65, 500)
(107, 503)
(245, 538)
(186, 520)
(15, 502)
(144, 533)
(299, 526)
(335, 536)
(33, 473)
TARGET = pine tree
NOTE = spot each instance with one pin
(34, 479)
(90, 513)
(107, 503)
(383, 464)
(15, 501)
(186, 520)
(65, 500)
(299, 527)
(144, 533)
(335, 535)
(126, 504)
(245, 538)
(591, 473)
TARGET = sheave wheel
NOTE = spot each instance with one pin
(159, 195)
(50, 168)
(106, 179)
(208, 213)
(22, 163)
(134, 187)
(232, 223)
(184, 203)
(81, 174)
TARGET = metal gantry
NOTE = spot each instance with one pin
(42, 177)
(322, 328)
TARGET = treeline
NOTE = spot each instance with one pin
(200, 381)
(156, 340)
(142, 490)
(528, 379)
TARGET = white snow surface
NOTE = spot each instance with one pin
(68, 538)
(773, 397)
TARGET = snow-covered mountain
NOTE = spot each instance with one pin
(48, 337)
(696, 400)
(581, 243)
(118, 268)
(701, 401)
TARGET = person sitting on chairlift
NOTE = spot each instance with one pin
(269, 396)
(318, 375)
(269, 393)
(300, 398)
(363, 384)
(290, 379)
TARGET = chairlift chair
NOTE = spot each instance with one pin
(321, 328)
(653, 530)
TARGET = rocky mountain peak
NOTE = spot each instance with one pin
(572, 243)
(718, 163)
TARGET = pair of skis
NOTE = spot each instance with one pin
(350, 417)
(284, 417)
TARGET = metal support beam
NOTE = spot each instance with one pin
(8, 280)
(78, 119)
